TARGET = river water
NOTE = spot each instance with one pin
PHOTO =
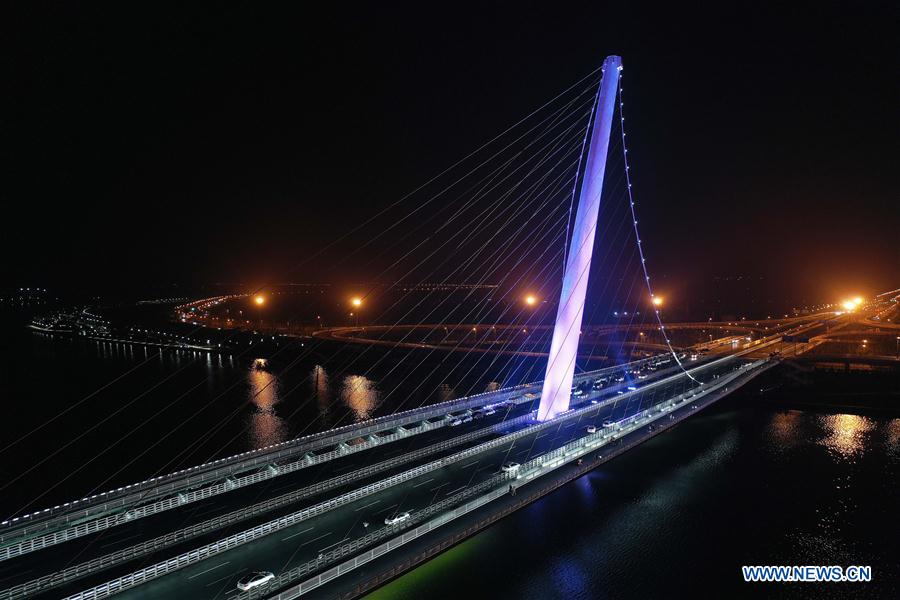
(678, 516)
(739, 484)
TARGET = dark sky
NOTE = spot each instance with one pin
(172, 144)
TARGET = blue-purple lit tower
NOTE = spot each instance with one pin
(564, 347)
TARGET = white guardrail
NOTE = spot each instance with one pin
(162, 568)
(79, 523)
(530, 470)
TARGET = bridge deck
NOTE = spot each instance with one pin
(484, 440)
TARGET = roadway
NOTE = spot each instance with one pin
(300, 543)
(125, 534)
(280, 496)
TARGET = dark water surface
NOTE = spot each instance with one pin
(679, 515)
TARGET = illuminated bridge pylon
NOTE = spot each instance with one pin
(564, 347)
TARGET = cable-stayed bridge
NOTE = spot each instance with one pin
(339, 511)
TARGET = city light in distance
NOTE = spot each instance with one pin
(849, 305)
(259, 299)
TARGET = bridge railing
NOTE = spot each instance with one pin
(138, 550)
(123, 497)
(99, 524)
(214, 548)
(447, 509)
(495, 483)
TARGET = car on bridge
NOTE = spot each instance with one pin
(608, 423)
(510, 467)
(396, 519)
(255, 579)
(591, 429)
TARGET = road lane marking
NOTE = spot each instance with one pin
(383, 510)
(315, 539)
(293, 535)
(456, 490)
(208, 570)
(424, 482)
(215, 581)
(467, 465)
(366, 506)
(439, 487)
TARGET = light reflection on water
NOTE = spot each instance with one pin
(266, 427)
(846, 435)
(359, 393)
(319, 378)
(784, 431)
(892, 436)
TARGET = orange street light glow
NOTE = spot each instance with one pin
(357, 301)
(857, 301)
(530, 300)
(259, 300)
(849, 305)
(657, 301)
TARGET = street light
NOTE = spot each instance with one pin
(530, 300)
(259, 299)
(657, 301)
(356, 301)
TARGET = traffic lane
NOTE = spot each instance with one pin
(112, 540)
(120, 537)
(553, 441)
(445, 478)
(304, 541)
(308, 539)
(356, 460)
(57, 557)
(455, 478)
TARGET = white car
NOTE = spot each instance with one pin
(455, 422)
(489, 412)
(608, 423)
(255, 579)
(396, 519)
(510, 467)
(591, 429)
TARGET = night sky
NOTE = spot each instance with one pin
(188, 145)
